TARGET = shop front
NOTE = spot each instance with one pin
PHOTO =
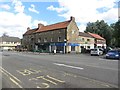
(59, 47)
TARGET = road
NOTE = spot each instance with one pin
(28, 70)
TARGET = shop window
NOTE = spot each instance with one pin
(88, 47)
(82, 46)
(72, 48)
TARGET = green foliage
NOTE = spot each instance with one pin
(116, 33)
(110, 33)
(101, 28)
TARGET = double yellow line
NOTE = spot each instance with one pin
(14, 79)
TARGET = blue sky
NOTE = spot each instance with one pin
(17, 15)
(44, 14)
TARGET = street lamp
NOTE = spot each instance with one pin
(64, 45)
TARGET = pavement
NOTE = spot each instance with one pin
(33, 70)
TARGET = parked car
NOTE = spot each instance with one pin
(107, 49)
(113, 54)
(96, 51)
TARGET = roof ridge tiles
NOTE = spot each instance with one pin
(50, 27)
(96, 35)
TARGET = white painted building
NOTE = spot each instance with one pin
(86, 41)
(99, 41)
(9, 43)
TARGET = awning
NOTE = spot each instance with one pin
(58, 44)
(73, 44)
(65, 44)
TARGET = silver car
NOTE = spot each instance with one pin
(96, 51)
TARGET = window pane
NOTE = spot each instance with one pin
(72, 48)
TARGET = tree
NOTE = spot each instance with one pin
(101, 28)
(4, 34)
(113, 40)
(116, 33)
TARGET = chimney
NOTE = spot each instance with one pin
(72, 18)
(40, 25)
(28, 28)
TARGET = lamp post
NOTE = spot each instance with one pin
(64, 45)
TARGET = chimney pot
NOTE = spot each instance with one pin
(28, 28)
(40, 25)
(72, 18)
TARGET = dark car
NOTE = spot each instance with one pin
(113, 54)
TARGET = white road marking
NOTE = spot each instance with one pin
(10, 74)
(42, 77)
(59, 64)
(16, 83)
(44, 84)
(55, 79)
(11, 77)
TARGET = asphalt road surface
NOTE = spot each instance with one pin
(33, 70)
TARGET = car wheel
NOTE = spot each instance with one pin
(91, 55)
(98, 54)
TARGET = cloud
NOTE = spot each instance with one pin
(111, 15)
(35, 23)
(82, 27)
(119, 10)
(59, 10)
(18, 6)
(5, 6)
(15, 24)
(32, 9)
(87, 11)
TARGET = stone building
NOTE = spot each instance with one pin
(62, 37)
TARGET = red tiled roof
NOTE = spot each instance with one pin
(96, 36)
(85, 34)
(54, 26)
(30, 31)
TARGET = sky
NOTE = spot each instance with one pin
(17, 15)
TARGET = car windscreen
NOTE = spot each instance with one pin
(101, 49)
(93, 49)
(113, 51)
